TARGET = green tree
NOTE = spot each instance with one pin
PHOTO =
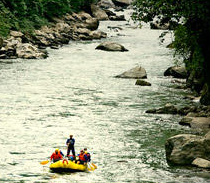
(27, 15)
(191, 34)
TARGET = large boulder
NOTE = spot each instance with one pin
(98, 34)
(63, 27)
(106, 4)
(83, 31)
(122, 3)
(111, 46)
(135, 73)
(201, 163)
(177, 72)
(83, 15)
(202, 123)
(167, 109)
(12, 43)
(92, 23)
(141, 82)
(28, 51)
(184, 148)
(16, 34)
(99, 13)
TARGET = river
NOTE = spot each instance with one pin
(73, 91)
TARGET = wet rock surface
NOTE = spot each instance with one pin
(142, 83)
(136, 73)
(77, 26)
(177, 72)
(201, 163)
(111, 46)
(184, 148)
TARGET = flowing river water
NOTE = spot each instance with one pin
(73, 91)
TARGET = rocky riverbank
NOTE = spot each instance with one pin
(187, 149)
(183, 149)
(71, 27)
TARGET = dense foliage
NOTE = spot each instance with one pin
(191, 34)
(26, 15)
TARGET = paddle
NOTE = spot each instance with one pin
(94, 165)
(89, 169)
(44, 162)
(91, 166)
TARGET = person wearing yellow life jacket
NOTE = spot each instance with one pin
(60, 152)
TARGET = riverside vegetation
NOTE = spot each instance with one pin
(188, 20)
(26, 15)
(28, 32)
(190, 23)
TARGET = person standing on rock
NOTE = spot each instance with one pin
(70, 145)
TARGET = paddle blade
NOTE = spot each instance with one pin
(94, 165)
(89, 169)
(44, 162)
(92, 168)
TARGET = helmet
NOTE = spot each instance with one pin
(56, 150)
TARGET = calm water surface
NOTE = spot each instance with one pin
(74, 92)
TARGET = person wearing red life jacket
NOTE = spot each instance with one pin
(82, 158)
(56, 156)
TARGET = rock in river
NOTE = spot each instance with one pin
(177, 72)
(111, 46)
(196, 122)
(183, 149)
(135, 73)
(142, 83)
(167, 109)
(99, 13)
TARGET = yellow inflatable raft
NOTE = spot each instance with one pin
(67, 166)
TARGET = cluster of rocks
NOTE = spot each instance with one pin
(80, 26)
(189, 111)
(15, 47)
(188, 149)
(138, 73)
(106, 14)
